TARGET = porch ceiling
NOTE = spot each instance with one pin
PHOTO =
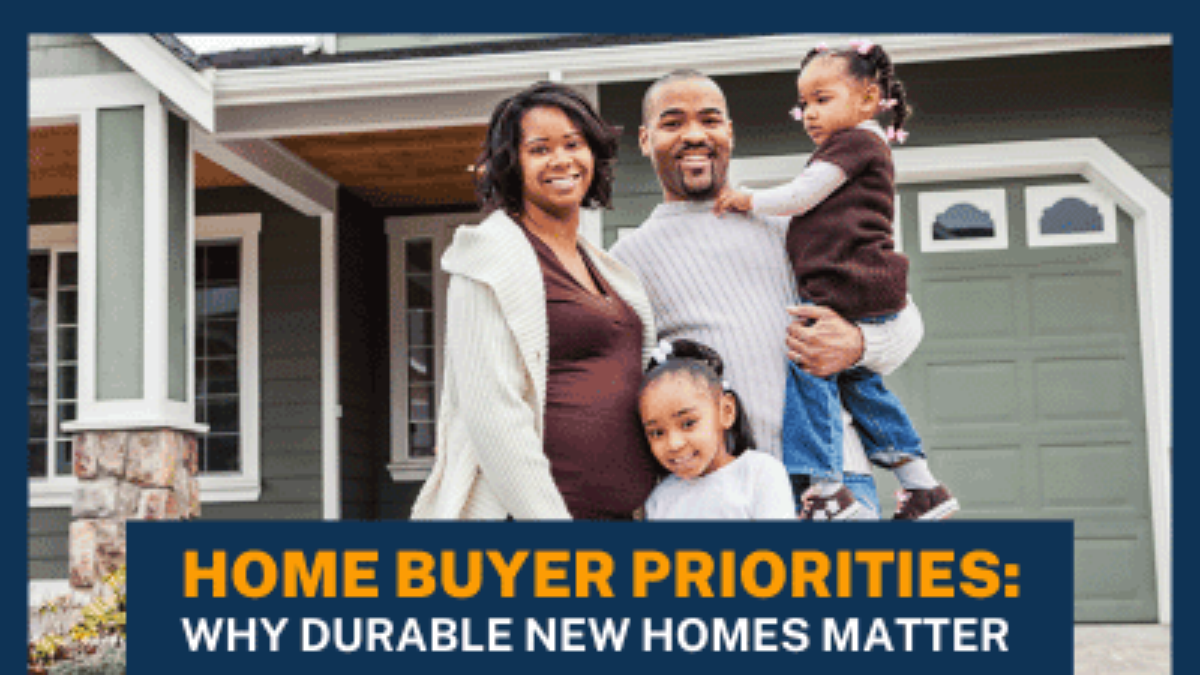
(398, 168)
(408, 168)
(54, 164)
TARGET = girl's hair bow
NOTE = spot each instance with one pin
(888, 104)
(863, 47)
(897, 135)
(821, 47)
(660, 353)
(797, 113)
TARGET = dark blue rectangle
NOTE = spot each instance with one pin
(1019, 573)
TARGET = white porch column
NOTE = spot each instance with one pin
(135, 444)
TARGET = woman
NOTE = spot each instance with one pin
(546, 334)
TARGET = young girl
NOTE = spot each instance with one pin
(840, 244)
(697, 431)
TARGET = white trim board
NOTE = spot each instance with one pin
(190, 90)
(59, 100)
(618, 63)
(331, 408)
(1150, 209)
(273, 169)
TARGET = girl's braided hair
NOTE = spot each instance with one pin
(872, 65)
(705, 365)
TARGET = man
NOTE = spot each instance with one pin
(725, 281)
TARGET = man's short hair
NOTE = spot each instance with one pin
(674, 76)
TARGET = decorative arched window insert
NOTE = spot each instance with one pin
(963, 220)
(1069, 215)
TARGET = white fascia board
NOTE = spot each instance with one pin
(62, 100)
(274, 170)
(191, 91)
(451, 109)
(592, 65)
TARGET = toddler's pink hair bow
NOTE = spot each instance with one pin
(897, 135)
(822, 47)
(864, 47)
(888, 104)
(797, 113)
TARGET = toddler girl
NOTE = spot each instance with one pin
(697, 431)
(840, 244)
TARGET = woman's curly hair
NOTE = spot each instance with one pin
(498, 180)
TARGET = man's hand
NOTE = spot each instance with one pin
(821, 342)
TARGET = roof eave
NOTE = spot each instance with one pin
(595, 65)
(192, 92)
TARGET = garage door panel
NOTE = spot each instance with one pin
(1027, 390)
(960, 308)
(1090, 477)
(1078, 303)
(1113, 572)
(972, 393)
(993, 477)
(1081, 389)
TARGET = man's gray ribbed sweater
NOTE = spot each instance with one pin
(725, 281)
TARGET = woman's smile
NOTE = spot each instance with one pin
(556, 161)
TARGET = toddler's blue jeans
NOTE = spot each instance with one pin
(812, 421)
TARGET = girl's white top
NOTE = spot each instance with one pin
(755, 486)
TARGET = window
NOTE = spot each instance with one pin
(417, 291)
(419, 314)
(53, 303)
(218, 301)
(963, 220)
(1070, 215)
(226, 353)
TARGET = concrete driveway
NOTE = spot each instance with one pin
(1122, 649)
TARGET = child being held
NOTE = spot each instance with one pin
(840, 244)
(697, 431)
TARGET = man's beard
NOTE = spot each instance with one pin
(704, 193)
(702, 189)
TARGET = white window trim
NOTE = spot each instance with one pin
(992, 201)
(246, 485)
(1039, 198)
(401, 466)
(1150, 209)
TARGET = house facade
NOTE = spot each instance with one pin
(236, 256)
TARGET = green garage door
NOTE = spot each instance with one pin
(1028, 385)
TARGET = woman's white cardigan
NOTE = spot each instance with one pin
(490, 461)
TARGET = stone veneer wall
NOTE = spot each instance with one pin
(123, 475)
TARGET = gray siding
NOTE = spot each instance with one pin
(289, 365)
(289, 357)
(55, 55)
(1122, 97)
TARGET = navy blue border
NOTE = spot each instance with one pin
(613, 17)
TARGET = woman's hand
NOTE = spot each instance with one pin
(732, 200)
(821, 342)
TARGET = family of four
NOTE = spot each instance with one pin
(581, 384)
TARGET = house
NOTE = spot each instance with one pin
(288, 208)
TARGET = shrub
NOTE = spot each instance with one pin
(76, 639)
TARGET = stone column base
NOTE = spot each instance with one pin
(123, 475)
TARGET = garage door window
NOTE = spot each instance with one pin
(964, 220)
(1070, 215)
